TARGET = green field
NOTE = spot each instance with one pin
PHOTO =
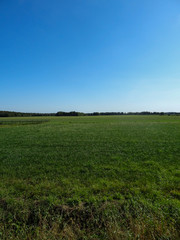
(77, 178)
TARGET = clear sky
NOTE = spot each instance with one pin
(89, 55)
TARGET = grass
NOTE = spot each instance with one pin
(105, 177)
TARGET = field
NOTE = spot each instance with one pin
(81, 178)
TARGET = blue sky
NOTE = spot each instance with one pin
(89, 55)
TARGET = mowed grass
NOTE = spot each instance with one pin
(103, 177)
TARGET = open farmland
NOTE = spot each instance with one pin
(104, 177)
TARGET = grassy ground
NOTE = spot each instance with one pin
(104, 177)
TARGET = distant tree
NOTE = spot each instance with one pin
(95, 113)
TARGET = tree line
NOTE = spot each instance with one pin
(74, 113)
(23, 114)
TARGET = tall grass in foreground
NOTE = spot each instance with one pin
(115, 177)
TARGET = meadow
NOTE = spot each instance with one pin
(96, 177)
